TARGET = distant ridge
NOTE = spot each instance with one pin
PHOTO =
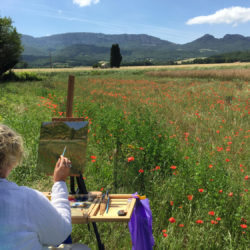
(82, 48)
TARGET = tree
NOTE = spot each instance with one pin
(115, 56)
(10, 45)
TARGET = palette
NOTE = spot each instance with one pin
(89, 211)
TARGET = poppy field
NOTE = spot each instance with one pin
(181, 140)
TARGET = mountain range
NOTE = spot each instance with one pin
(75, 49)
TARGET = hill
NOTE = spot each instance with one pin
(72, 49)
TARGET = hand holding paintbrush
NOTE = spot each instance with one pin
(62, 168)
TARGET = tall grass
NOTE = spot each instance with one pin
(224, 74)
(188, 139)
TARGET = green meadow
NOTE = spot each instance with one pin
(181, 139)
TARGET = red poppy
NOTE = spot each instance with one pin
(141, 170)
(211, 213)
(102, 189)
(141, 148)
(164, 230)
(243, 226)
(246, 177)
(190, 197)
(131, 159)
(172, 220)
(93, 160)
(199, 221)
(214, 222)
(218, 218)
(93, 157)
(210, 166)
(181, 225)
(227, 160)
(201, 190)
(171, 203)
(173, 167)
(220, 191)
(157, 168)
(165, 235)
(231, 194)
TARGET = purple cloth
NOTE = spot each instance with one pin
(140, 226)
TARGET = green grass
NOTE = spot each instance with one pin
(162, 122)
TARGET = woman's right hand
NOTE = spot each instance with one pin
(62, 169)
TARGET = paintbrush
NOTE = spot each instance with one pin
(103, 204)
(64, 150)
(107, 195)
(63, 155)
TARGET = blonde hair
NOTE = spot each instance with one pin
(11, 148)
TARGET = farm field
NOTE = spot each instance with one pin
(230, 65)
(182, 140)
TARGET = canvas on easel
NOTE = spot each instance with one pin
(54, 136)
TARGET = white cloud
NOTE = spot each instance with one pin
(233, 15)
(83, 3)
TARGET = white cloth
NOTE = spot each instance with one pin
(29, 221)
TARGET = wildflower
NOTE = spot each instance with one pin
(141, 170)
(219, 149)
(157, 168)
(199, 221)
(227, 160)
(214, 222)
(201, 190)
(246, 177)
(243, 226)
(141, 148)
(131, 159)
(171, 203)
(231, 194)
(164, 230)
(172, 220)
(211, 213)
(173, 167)
(181, 225)
(186, 157)
(93, 157)
(217, 131)
(190, 197)
(220, 191)
(229, 143)
(102, 189)
(218, 219)
(165, 235)
(93, 160)
(210, 166)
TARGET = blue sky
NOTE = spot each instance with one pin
(178, 21)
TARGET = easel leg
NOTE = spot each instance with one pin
(100, 244)
(72, 185)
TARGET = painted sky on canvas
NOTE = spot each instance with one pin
(178, 21)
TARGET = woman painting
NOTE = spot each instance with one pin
(28, 220)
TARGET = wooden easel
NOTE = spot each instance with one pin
(80, 181)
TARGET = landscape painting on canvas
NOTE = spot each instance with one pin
(54, 136)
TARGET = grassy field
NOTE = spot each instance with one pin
(188, 136)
